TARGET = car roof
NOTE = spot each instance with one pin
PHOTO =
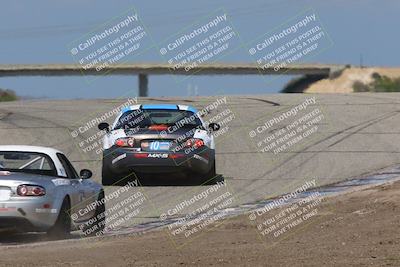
(27, 148)
(155, 106)
(160, 106)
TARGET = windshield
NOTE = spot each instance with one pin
(29, 162)
(145, 118)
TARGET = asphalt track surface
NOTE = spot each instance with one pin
(359, 133)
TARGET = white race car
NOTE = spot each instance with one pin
(156, 139)
(40, 191)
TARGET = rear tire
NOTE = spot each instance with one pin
(62, 227)
(107, 177)
(99, 219)
(211, 177)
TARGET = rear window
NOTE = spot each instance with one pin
(29, 162)
(145, 118)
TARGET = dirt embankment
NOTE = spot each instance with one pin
(357, 229)
(344, 82)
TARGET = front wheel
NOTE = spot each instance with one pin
(96, 225)
(62, 226)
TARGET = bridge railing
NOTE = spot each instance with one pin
(143, 70)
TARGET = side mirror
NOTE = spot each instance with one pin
(104, 126)
(214, 126)
(85, 174)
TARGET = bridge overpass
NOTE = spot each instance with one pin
(143, 70)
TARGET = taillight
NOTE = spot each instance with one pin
(176, 156)
(30, 190)
(158, 127)
(194, 143)
(125, 142)
(140, 155)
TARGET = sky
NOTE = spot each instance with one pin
(42, 31)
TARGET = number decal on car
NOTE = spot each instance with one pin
(155, 145)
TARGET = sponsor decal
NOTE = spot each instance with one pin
(62, 172)
(158, 155)
(5, 194)
(4, 208)
(60, 181)
(118, 158)
(201, 158)
(46, 210)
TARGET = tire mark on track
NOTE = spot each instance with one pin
(286, 161)
(368, 122)
(43, 135)
(263, 100)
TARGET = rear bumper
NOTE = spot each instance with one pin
(125, 160)
(17, 223)
(27, 215)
